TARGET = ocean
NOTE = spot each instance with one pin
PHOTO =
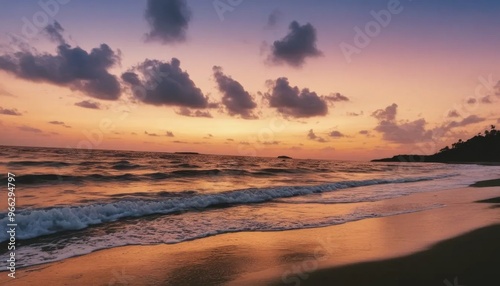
(72, 202)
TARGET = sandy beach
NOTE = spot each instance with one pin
(309, 256)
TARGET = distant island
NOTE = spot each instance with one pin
(284, 157)
(480, 148)
(187, 153)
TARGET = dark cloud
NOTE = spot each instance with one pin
(229, 139)
(364, 132)
(71, 67)
(29, 129)
(335, 97)
(296, 46)
(290, 101)
(61, 123)
(453, 113)
(405, 132)
(273, 19)
(170, 134)
(198, 113)
(161, 83)
(312, 136)
(89, 104)
(168, 20)
(336, 134)
(12, 111)
(54, 31)
(234, 97)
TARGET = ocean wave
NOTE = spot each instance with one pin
(39, 222)
(164, 230)
(37, 164)
(31, 179)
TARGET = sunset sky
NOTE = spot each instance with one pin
(342, 79)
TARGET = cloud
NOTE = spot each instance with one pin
(168, 20)
(89, 104)
(486, 99)
(466, 121)
(198, 113)
(167, 134)
(336, 134)
(55, 122)
(70, 67)
(29, 129)
(290, 101)
(471, 100)
(4, 92)
(273, 19)
(13, 111)
(151, 134)
(54, 31)
(270, 142)
(335, 97)
(453, 113)
(496, 89)
(235, 98)
(354, 113)
(162, 83)
(364, 132)
(404, 133)
(312, 136)
(387, 114)
(408, 132)
(296, 46)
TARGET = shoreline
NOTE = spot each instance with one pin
(476, 262)
(469, 259)
(250, 258)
